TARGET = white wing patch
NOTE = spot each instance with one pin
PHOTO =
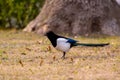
(62, 44)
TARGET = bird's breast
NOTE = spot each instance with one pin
(62, 45)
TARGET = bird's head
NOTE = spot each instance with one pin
(49, 33)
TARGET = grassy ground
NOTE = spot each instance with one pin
(27, 56)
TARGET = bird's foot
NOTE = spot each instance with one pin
(63, 57)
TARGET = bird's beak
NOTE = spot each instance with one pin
(45, 34)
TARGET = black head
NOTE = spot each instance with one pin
(52, 37)
(49, 33)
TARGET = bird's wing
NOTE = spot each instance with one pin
(69, 40)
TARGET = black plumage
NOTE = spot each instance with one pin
(64, 44)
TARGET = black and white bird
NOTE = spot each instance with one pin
(64, 44)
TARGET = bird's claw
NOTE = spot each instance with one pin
(63, 57)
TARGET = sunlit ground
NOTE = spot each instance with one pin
(27, 56)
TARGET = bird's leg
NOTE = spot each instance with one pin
(63, 57)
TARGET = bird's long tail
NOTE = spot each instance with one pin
(91, 45)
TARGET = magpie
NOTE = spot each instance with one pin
(64, 44)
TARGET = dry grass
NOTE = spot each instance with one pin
(27, 56)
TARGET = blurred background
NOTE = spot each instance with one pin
(17, 13)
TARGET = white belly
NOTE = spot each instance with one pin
(62, 45)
